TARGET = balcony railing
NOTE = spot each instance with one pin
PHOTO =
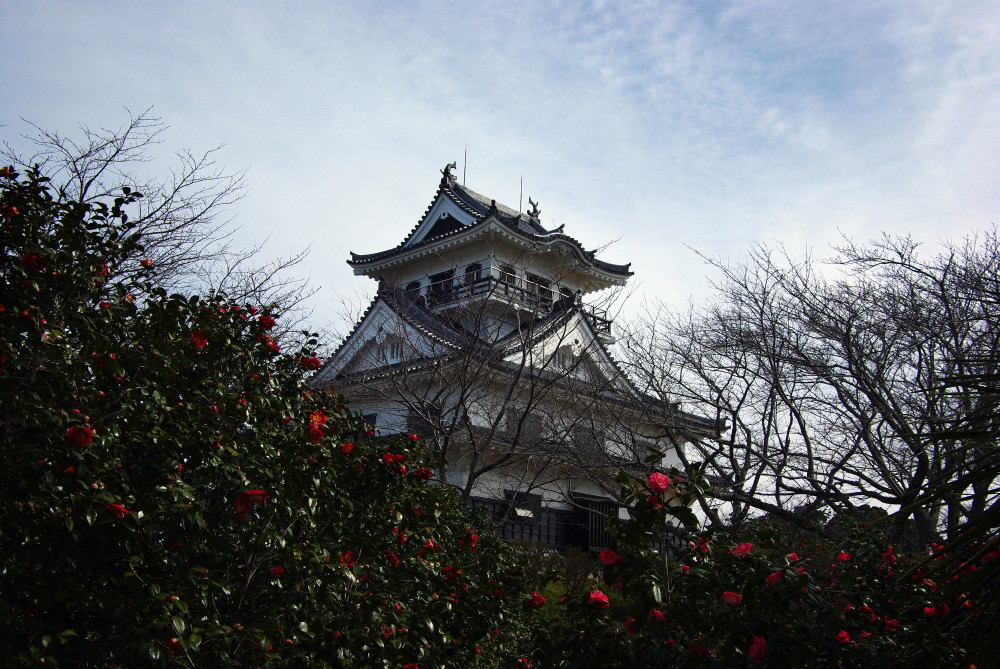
(495, 283)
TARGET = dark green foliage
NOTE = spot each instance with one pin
(172, 492)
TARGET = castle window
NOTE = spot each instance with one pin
(413, 288)
(538, 288)
(441, 289)
(391, 349)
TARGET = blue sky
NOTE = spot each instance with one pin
(657, 126)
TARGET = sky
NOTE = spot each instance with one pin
(654, 129)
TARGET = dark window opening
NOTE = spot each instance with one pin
(441, 288)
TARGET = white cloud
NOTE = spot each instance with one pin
(661, 123)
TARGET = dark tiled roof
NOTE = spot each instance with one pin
(481, 207)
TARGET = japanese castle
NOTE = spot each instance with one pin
(483, 338)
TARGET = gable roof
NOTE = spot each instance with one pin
(456, 211)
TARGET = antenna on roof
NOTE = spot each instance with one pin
(465, 162)
(520, 196)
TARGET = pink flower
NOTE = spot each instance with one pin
(199, 339)
(774, 579)
(732, 598)
(793, 557)
(757, 648)
(843, 637)
(598, 600)
(658, 483)
(609, 557)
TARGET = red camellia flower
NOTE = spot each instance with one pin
(685, 569)
(267, 322)
(598, 600)
(843, 556)
(888, 557)
(658, 483)
(348, 559)
(388, 459)
(413, 437)
(450, 573)
(793, 557)
(630, 626)
(891, 624)
(199, 339)
(843, 637)
(80, 435)
(741, 550)
(116, 510)
(470, 539)
(310, 363)
(33, 263)
(277, 570)
(775, 578)
(700, 650)
(655, 614)
(609, 557)
(245, 500)
(732, 598)
(146, 262)
(654, 502)
(347, 447)
(422, 473)
(535, 602)
(757, 648)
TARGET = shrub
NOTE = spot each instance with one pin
(172, 491)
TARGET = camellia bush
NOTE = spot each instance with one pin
(173, 493)
(839, 598)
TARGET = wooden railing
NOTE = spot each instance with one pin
(450, 291)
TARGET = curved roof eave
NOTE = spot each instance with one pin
(586, 258)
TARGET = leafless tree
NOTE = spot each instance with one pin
(830, 378)
(513, 405)
(181, 219)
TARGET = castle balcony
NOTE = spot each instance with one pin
(446, 292)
